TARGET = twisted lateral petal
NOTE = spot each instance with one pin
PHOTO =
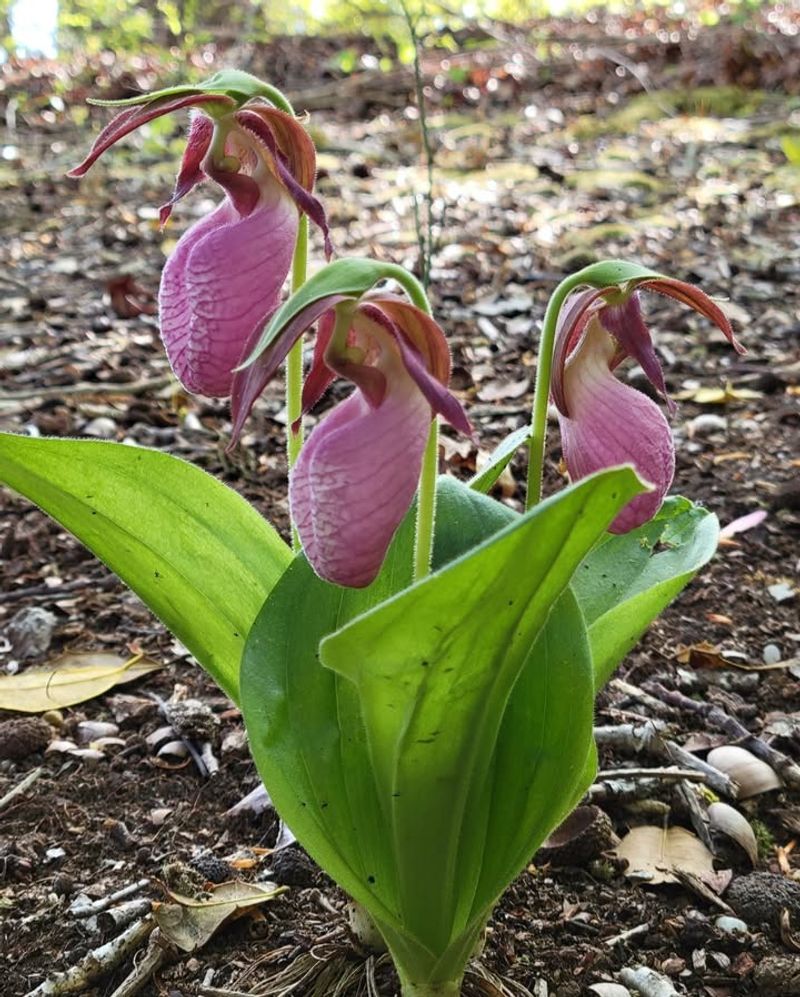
(611, 423)
(294, 159)
(218, 287)
(424, 351)
(190, 173)
(132, 118)
(354, 481)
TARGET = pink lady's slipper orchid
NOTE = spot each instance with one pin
(224, 278)
(357, 474)
(603, 421)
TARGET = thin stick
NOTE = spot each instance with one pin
(426, 241)
(644, 773)
(63, 390)
(97, 963)
(158, 951)
(623, 936)
(730, 725)
(21, 787)
(90, 907)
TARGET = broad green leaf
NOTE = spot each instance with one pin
(70, 679)
(349, 278)
(630, 578)
(499, 460)
(414, 705)
(191, 548)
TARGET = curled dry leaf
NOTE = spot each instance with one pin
(70, 679)
(752, 775)
(189, 923)
(654, 854)
(730, 822)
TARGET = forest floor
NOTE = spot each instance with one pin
(544, 162)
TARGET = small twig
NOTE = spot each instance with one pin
(648, 737)
(623, 936)
(23, 786)
(622, 790)
(89, 907)
(159, 950)
(47, 591)
(426, 240)
(97, 963)
(86, 388)
(644, 773)
(729, 725)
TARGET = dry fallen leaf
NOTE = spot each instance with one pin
(189, 923)
(655, 853)
(70, 679)
(718, 396)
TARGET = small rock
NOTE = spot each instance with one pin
(761, 896)
(778, 976)
(30, 632)
(731, 925)
(101, 428)
(91, 730)
(23, 736)
(782, 592)
(706, 424)
(158, 816)
(771, 654)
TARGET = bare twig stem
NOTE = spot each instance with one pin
(669, 774)
(623, 936)
(90, 907)
(158, 952)
(22, 787)
(648, 737)
(425, 240)
(97, 963)
(729, 725)
(63, 390)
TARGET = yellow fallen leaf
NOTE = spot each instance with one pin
(70, 679)
(718, 396)
(189, 923)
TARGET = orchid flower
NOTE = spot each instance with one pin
(357, 474)
(604, 422)
(224, 278)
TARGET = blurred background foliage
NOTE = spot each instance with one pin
(64, 27)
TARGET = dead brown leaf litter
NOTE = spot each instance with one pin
(528, 185)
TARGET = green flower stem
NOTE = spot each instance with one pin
(608, 274)
(541, 392)
(294, 364)
(426, 492)
(426, 505)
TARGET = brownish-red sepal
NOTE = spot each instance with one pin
(132, 118)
